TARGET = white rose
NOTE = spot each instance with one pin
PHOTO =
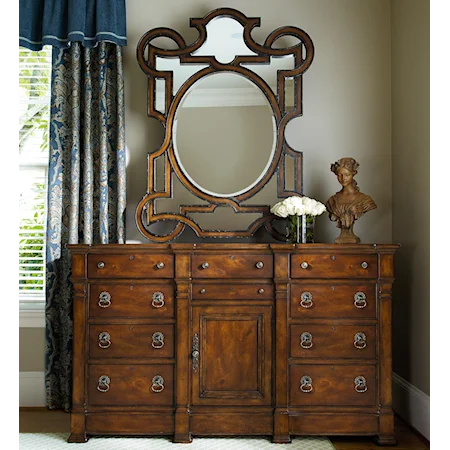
(319, 209)
(280, 210)
(295, 205)
(309, 205)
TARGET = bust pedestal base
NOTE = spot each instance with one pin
(347, 237)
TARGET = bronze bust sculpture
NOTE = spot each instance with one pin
(349, 204)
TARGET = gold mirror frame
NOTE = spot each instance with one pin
(147, 54)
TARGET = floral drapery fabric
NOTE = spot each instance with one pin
(61, 22)
(86, 190)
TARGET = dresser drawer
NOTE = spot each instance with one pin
(131, 341)
(109, 301)
(122, 385)
(232, 266)
(333, 266)
(356, 301)
(333, 341)
(133, 265)
(234, 291)
(332, 385)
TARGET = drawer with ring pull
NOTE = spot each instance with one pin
(332, 385)
(333, 341)
(109, 301)
(334, 266)
(124, 384)
(329, 300)
(131, 341)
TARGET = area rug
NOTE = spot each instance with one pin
(58, 441)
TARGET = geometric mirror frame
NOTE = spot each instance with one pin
(263, 68)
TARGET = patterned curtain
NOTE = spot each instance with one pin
(86, 190)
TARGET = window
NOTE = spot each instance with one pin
(34, 114)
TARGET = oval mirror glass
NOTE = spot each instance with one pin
(224, 134)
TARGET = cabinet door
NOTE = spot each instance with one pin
(234, 345)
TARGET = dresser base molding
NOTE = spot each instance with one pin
(272, 340)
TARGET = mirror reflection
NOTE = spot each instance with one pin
(224, 134)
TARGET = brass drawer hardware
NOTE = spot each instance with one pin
(259, 265)
(160, 265)
(360, 384)
(306, 300)
(306, 340)
(158, 340)
(261, 291)
(202, 291)
(101, 265)
(360, 300)
(360, 341)
(304, 265)
(103, 383)
(364, 265)
(158, 299)
(158, 384)
(306, 384)
(205, 265)
(104, 339)
(104, 299)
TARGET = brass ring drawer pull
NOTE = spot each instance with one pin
(104, 339)
(360, 384)
(158, 384)
(306, 340)
(104, 299)
(306, 300)
(360, 340)
(158, 340)
(157, 299)
(306, 384)
(160, 265)
(360, 300)
(259, 265)
(103, 383)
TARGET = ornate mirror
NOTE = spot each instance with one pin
(224, 102)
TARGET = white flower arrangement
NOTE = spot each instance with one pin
(301, 213)
(298, 206)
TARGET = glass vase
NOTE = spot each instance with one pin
(300, 229)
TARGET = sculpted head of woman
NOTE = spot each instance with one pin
(345, 169)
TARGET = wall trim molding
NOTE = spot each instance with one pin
(32, 389)
(411, 404)
(32, 319)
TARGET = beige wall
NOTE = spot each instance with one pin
(410, 21)
(347, 112)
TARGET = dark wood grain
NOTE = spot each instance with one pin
(251, 361)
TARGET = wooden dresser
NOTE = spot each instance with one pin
(232, 339)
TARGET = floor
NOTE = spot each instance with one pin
(41, 420)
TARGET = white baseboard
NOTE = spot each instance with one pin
(32, 389)
(411, 404)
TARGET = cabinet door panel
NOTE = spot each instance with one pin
(234, 363)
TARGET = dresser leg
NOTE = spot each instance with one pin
(281, 427)
(77, 438)
(385, 440)
(77, 428)
(182, 433)
(386, 435)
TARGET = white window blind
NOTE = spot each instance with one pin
(34, 113)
